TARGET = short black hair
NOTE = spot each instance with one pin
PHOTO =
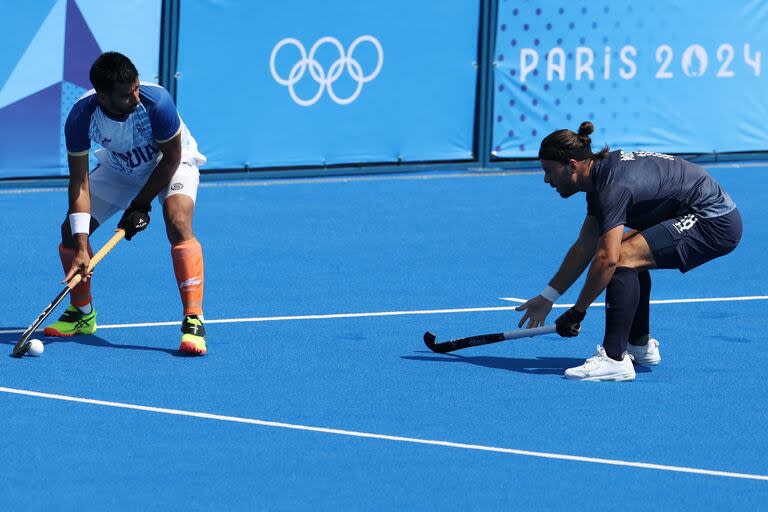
(111, 68)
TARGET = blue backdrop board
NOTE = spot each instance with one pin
(48, 48)
(682, 76)
(312, 83)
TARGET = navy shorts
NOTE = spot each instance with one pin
(686, 242)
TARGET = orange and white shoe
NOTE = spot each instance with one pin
(193, 336)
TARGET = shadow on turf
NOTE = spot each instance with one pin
(93, 341)
(537, 366)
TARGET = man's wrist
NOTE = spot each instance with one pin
(140, 204)
(579, 310)
(81, 240)
(80, 223)
(550, 294)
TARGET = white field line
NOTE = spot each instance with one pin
(660, 301)
(299, 317)
(20, 191)
(269, 182)
(385, 437)
(393, 313)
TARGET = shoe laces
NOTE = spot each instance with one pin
(595, 359)
(71, 314)
(192, 325)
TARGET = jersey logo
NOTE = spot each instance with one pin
(685, 223)
(137, 156)
(626, 157)
(630, 156)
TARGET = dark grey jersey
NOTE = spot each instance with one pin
(640, 189)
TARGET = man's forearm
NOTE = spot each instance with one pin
(573, 265)
(600, 274)
(79, 196)
(79, 202)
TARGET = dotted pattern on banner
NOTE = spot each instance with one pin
(528, 111)
(70, 93)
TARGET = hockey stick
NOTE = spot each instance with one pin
(483, 339)
(22, 346)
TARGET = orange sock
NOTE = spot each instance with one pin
(81, 294)
(188, 267)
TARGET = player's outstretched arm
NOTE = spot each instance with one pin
(80, 205)
(575, 262)
(600, 273)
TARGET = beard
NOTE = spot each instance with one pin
(128, 110)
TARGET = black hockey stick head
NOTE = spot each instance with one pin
(22, 346)
(430, 340)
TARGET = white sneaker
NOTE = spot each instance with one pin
(646, 355)
(602, 367)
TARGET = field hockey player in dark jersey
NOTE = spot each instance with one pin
(645, 211)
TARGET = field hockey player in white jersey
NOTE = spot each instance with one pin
(144, 151)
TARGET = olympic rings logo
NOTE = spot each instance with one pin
(319, 75)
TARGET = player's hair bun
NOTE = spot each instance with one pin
(585, 129)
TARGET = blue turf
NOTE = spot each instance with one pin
(365, 246)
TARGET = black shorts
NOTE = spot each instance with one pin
(686, 242)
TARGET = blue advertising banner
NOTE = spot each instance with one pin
(48, 48)
(301, 82)
(681, 76)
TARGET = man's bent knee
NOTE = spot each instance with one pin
(178, 212)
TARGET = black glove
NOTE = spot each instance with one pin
(569, 323)
(135, 219)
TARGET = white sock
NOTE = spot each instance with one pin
(85, 309)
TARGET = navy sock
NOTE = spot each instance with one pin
(640, 331)
(621, 298)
